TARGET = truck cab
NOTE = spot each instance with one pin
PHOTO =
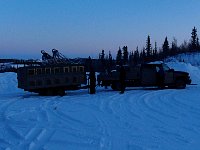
(146, 75)
(174, 79)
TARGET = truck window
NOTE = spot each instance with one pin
(165, 67)
(157, 69)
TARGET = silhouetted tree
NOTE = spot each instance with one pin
(131, 59)
(143, 56)
(184, 47)
(194, 39)
(166, 48)
(136, 56)
(125, 54)
(110, 58)
(148, 47)
(110, 61)
(102, 59)
(119, 57)
(198, 45)
(155, 52)
(174, 47)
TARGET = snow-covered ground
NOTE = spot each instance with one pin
(139, 119)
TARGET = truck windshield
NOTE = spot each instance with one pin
(165, 67)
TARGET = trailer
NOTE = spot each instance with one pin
(53, 76)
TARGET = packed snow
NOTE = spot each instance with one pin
(139, 119)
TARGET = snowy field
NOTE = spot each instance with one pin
(139, 119)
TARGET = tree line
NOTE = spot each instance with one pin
(150, 52)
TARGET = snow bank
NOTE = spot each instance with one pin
(194, 71)
(192, 58)
(8, 83)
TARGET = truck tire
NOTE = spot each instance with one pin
(180, 84)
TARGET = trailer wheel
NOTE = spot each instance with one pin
(61, 92)
(180, 84)
(116, 86)
(46, 92)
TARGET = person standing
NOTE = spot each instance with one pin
(92, 81)
(122, 77)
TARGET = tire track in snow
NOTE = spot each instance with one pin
(99, 106)
(9, 131)
(171, 113)
(158, 107)
(39, 134)
(149, 103)
(113, 114)
(74, 128)
(189, 112)
(80, 130)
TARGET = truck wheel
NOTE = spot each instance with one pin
(180, 84)
(113, 86)
(42, 93)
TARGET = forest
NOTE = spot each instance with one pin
(150, 52)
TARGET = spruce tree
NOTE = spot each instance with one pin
(198, 46)
(119, 57)
(110, 60)
(131, 59)
(194, 38)
(110, 56)
(166, 48)
(125, 54)
(148, 47)
(102, 60)
(174, 47)
(184, 47)
(143, 56)
(136, 56)
(155, 51)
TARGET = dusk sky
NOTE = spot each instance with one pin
(79, 28)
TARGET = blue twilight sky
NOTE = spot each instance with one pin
(79, 28)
